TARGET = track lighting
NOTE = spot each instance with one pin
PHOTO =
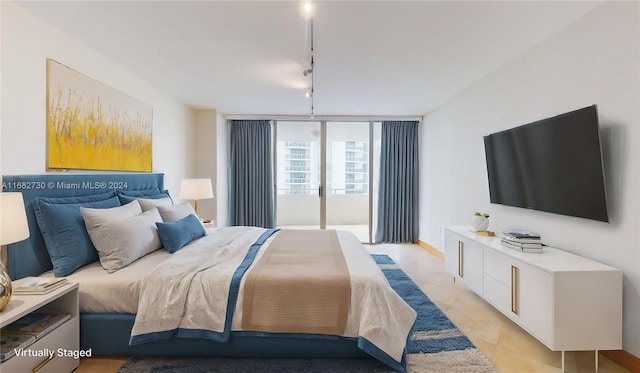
(308, 7)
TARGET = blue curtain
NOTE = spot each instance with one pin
(398, 189)
(251, 176)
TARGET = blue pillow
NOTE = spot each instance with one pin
(64, 232)
(176, 234)
(127, 196)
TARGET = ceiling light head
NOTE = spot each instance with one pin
(307, 72)
(308, 7)
(308, 94)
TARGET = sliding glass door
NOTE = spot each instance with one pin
(347, 175)
(298, 174)
(324, 175)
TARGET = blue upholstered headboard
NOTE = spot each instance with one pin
(30, 257)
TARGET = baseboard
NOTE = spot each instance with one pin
(431, 249)
(624, 359)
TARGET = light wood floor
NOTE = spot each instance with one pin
(509, 348)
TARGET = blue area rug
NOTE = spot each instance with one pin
(435, 345)
(382, 259)
(432, 331)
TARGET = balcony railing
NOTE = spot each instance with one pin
(362, 190)
(303, 209)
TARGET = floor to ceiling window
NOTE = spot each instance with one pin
(325, 175)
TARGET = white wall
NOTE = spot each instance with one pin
(222, 179)
(593, 61)
(211, 141)
(205, 157)
(27, 42)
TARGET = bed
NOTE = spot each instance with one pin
(227, 310)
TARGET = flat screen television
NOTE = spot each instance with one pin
(553, 165)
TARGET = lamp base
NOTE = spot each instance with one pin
(5, 287)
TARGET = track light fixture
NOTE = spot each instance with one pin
(308, 7)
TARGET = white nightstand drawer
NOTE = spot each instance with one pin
(64, 337)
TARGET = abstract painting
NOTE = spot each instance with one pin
(94, 127)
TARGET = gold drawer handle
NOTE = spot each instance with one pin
(514, 289)
(42, 363)
(460, 258)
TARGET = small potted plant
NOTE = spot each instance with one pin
(480, 221)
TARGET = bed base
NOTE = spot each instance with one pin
(108, 334)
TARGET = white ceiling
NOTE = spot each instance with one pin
(371, 57)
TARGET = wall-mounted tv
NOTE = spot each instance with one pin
(553, 165)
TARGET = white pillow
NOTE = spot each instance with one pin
(93, 217)
(121, 241)
(176, 212)
(148, 203)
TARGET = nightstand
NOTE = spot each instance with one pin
(63, 341)
(209, 224)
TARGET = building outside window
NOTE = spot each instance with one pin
(347, 167)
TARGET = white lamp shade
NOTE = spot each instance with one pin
(196, 189)
(13, 218)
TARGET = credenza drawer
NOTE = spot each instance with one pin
(497, 265)
(497, 293)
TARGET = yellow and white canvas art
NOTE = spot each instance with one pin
(94, 127)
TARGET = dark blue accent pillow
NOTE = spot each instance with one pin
(176, 234)
(64, 232)
(127, 196)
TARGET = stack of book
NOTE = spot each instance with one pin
(39, 285)
(526, 242)
(26, 330)
(10, 343)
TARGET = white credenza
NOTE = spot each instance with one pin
(567, 302)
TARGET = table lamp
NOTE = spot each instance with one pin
(196, 189)
(13, 228)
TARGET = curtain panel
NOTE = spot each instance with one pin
(251, 176)
(398, 189)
